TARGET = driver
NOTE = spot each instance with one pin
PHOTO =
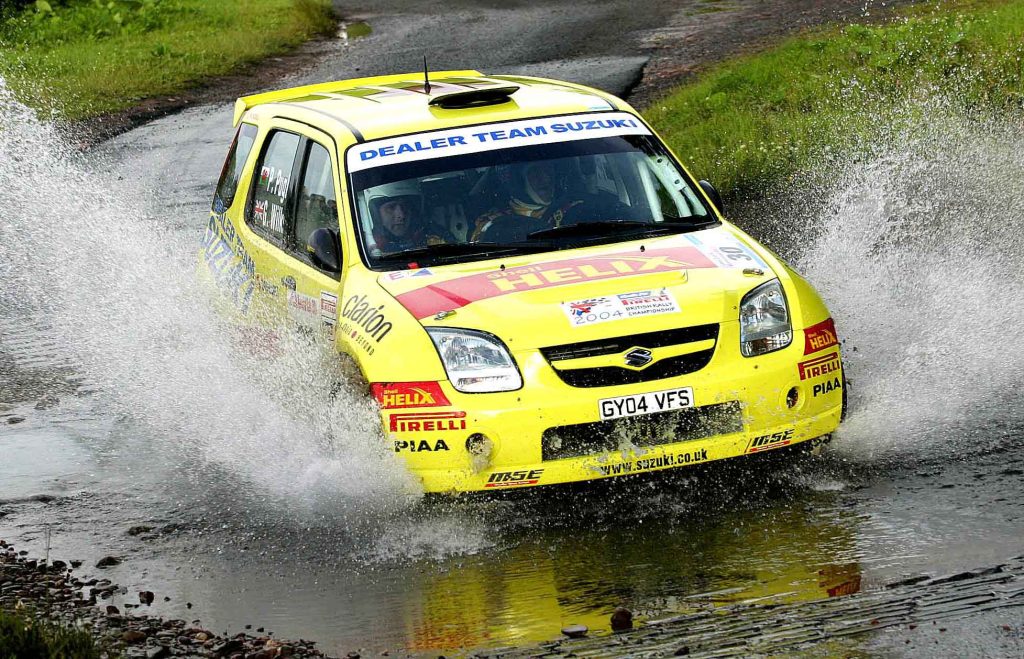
(396, 209)
(533, 187)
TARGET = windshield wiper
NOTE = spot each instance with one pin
(605, 227)
(443, 250)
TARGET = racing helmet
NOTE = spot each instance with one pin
(408, 191)
(531, 184)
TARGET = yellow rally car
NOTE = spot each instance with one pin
(534, 288)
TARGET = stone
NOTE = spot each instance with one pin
(575, 631)
(113, 610)
(228, 647)
(108, 561)
(139, 530)
(133, 636)
(622, 619)
(146, 597)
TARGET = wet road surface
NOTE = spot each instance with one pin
(113, 445)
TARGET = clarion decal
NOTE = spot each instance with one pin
(363, 313)
(409, 394)
(820, 336)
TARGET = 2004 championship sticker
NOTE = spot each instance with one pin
(620, 306)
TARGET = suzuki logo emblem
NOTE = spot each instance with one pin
(638, 357)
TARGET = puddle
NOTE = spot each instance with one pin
(355, 30)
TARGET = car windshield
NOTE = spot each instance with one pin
(516, 187)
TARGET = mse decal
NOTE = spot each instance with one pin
(774, 440)
(514, 478)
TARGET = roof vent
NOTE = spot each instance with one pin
(474, 98)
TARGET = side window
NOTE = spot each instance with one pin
(318, 205)
(271, 198)
(233, 165)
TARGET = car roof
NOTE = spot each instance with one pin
(384, 106)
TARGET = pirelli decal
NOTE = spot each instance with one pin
(457, 293)
(428, 422)
(824, 365)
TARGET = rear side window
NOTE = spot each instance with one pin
(272, 191)
(233, 166)
(318, 205)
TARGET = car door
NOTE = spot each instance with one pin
(294, 192)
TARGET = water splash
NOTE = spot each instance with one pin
(82, 251)
(916, 249)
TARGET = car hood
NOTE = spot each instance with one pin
(568, 296)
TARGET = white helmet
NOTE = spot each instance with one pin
(382, 194)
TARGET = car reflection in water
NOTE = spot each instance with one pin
(656, 566)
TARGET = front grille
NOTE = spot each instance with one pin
(647, 430)
(607, 376)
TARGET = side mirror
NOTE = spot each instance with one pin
(324, 250)
(712, 194)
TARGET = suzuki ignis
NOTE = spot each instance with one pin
(534, 288)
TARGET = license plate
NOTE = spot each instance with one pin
(650, 403)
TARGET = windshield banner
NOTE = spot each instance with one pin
(490, 137)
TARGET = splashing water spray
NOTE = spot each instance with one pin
(918, 252)
(119, 286)
(915, 248)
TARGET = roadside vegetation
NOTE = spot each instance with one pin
(23, 637)
(83, 58)
(751, 123)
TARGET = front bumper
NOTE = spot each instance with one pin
(550, 432)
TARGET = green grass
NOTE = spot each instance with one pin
(752, 123)
(82, 58)
(22, 637)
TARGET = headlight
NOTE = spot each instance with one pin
(764, 320)
(476, 362)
